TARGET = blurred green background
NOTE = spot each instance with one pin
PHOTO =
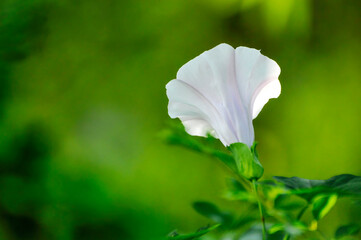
(82, 102)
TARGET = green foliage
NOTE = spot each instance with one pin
(200, 232)
(322, 204)
(247, 161)
(176, 135)
(238, 191)
(288, 202)
(347, 230)
(295, 228)
(211, 211)
(342, 185)
(284, 201)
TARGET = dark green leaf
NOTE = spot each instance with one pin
(345, 184)
(342, 185)
(322, 204)
(307, 189)
(199, 233)
(211, 211)
(347, 230)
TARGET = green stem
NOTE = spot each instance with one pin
(264, 231)
(299, 216)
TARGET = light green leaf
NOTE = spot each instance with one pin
(293, 229)
(270, 190)
(247, 161)
(347, 230)
(322, 204)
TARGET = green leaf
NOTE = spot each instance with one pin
(347, 230)
(247, 161)
(211, 211)
(270, 190)
(342, 185)
(292, 228)
(236, 191)
(175, 236)
(235, 185)
(322, 204)
(345, 184)
(289, 202)
(239, 196)
(176, 135)
(226, 158)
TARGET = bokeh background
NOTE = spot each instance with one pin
(82, 102)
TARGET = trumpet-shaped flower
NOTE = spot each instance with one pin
(221, 91)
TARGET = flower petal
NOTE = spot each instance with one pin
(221, 91)
(257, 77)
(213, 74)
(197, 114)
(272, 89)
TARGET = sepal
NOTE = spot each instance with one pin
(247, 161)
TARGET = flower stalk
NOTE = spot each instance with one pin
(263, 221)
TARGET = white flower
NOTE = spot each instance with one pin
(221, 91)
